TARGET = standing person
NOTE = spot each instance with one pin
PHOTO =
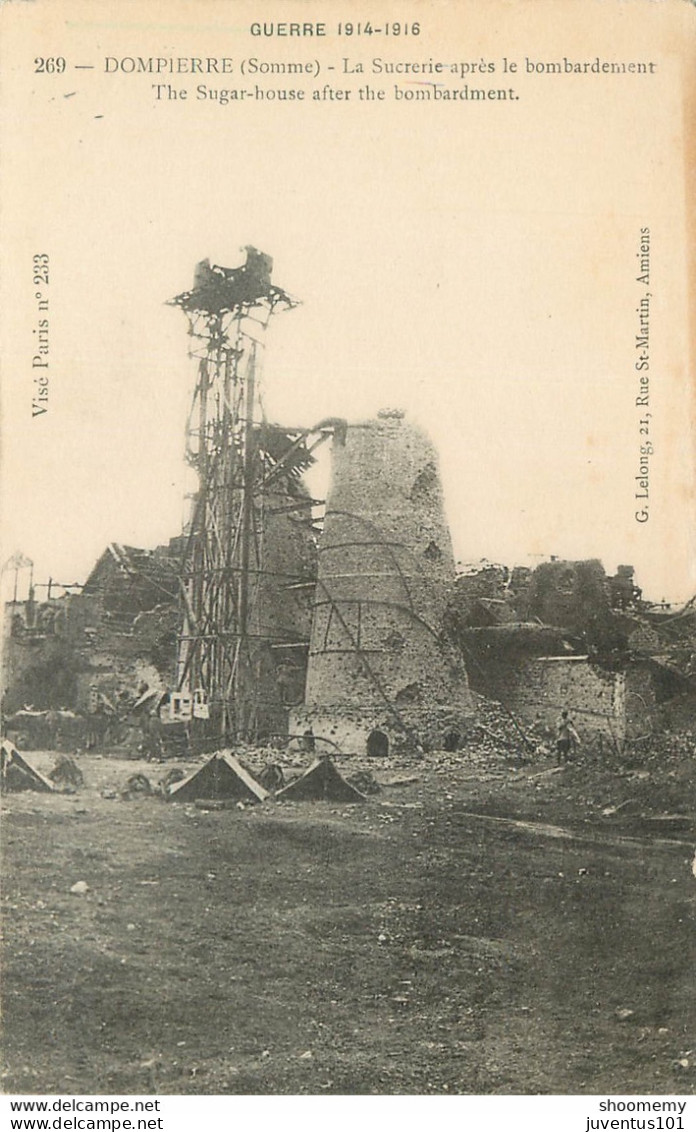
(567, 738)
(152, 735)
(97, 724)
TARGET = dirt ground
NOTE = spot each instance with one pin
(480, 925)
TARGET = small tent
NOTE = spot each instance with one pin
(320, 781)
(17, 774)
(223, 776)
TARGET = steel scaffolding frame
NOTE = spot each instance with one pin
(229, 310)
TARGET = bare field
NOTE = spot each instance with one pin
(477, 930)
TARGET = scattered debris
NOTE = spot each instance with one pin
(66, 774)
(18, 774)
(272, 777)
(222, 776)
(541, 774)
(80, 888)
(176, 774)
(401, 780)
(365, 782)
(138, 785)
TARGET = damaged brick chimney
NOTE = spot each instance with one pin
(381, 672)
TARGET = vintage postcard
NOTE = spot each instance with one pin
(349, 558)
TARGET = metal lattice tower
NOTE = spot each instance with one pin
(229, 310)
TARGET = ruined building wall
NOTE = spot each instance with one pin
(39, 667)
(643, 712)
(121, 630)
(379, 659)
(537, 689)
(112, 637)
(55, 662)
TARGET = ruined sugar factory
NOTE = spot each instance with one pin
(341, 625)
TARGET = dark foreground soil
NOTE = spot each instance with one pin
(492, 929)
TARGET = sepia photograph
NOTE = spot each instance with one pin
(348, 661)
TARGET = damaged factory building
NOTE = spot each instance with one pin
(346, 628)
(338, 624)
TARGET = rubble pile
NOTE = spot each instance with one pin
(498, 730)
(662, 771)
